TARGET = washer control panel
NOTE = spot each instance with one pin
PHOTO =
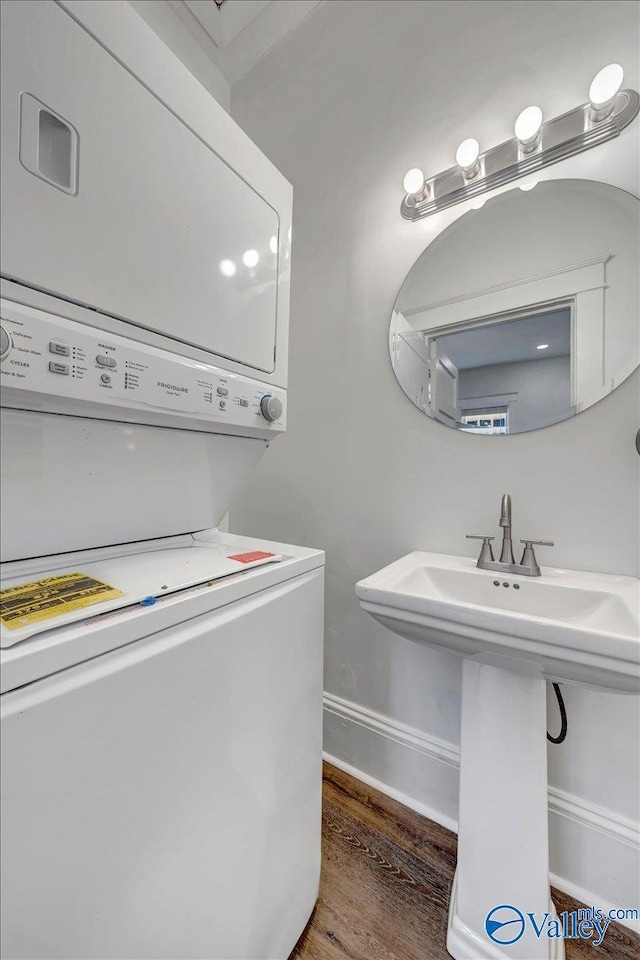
(51, 363)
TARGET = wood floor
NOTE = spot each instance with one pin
(386, 877)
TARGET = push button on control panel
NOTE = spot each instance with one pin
(58, 367)
(60, 348)
(243, 402)
(222, 392)
(105, 377)
(105, 361)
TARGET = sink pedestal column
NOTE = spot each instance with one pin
(503, 840)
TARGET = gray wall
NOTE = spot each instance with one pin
(165, 22)
(543, 388)
(359, 93)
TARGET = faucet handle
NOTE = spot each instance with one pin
(529, 558)
(486, 551)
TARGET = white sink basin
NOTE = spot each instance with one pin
(515, 633)
(578, 627)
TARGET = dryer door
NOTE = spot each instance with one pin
(109, 200)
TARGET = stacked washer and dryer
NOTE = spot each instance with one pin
(161, 680)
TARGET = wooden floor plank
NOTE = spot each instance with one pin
(386, 880)
(402, 825)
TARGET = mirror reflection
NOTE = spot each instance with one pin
(523, 313)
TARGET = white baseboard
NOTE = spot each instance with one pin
(422, 808)
(594, 852)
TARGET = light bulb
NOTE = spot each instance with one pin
(250, 258)
(227, 268)
(414, 183)
(467, 158)
(528, 129)
(273, 244)
(603, 91)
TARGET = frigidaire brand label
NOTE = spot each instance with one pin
(172, 386)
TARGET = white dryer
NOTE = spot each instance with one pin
(161, 680)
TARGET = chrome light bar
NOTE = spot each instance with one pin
(572, 133)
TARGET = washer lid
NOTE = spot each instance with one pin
(67, 590)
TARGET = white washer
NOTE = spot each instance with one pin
(161, 696)
(161, 735)
(161, 764)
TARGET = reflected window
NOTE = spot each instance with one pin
(491, 421)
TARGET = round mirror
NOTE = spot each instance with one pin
(523, 312)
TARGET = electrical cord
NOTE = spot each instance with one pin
(563, 717)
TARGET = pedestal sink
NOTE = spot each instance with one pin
(515, 633)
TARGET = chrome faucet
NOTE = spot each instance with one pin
(528, 566)
(506, 554)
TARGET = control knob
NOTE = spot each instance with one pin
(5, 343)
(270, 407)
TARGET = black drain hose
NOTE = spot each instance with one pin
(563, 717)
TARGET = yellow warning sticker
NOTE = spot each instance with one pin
(51, 597)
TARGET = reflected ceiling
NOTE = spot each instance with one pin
(511, 342)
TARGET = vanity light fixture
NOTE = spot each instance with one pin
(536, 144)
(604, 90)
(527, 129)
(414, 184)
(467, 156)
